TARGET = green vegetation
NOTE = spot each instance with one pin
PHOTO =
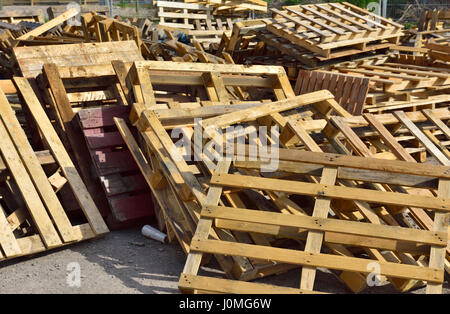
(409, 25)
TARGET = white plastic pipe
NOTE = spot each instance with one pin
(155, 234)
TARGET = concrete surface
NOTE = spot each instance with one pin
(126, 262)
(115, 264)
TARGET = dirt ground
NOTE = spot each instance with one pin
(126, 262)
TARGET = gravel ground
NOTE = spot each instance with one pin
(126, 262)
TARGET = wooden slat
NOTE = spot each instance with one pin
(347, 173)
(209, 67)
(266, 109)
(219, 285)
(337, 160)
(327, 225)
(314, 239)
(316, 259)
(49, 25)
(339, 192)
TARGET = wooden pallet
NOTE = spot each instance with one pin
(38, 222)
(232, 7)
(124, 186)
(198, 25)
(241, 35)
(423, 134)
(408, 101)
(322, 28)
(183, 178)
(182, 15)
(349, 91)
(317, 226)
(292, 132)
(184, 82)
(209, 34)
(15, 17)
(401, 83)
(394, 77)
(32, 59)
(410, 136)
(182, 181)
(68, 90)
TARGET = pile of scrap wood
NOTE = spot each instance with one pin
(293, 143)
(351, 183)
(433, 26)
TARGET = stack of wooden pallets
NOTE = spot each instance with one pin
(337, 151)
(381, 86)
(326, 29)
(195, 20)
(317, 34)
